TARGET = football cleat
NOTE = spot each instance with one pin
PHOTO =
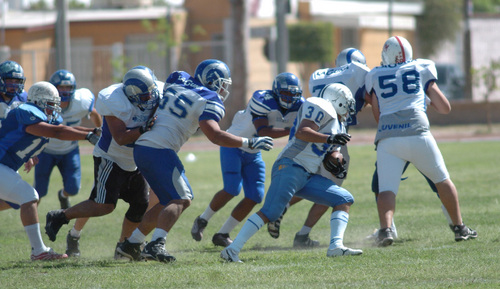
(463, 233)
(222, 240)
(230, 255)
(303, 241)
(54, 221)
(48, 255)
(343, 251)
(130, 250)
(72, 246)
(273, 228)
(385, 237)
(155, 250)
(198, 226)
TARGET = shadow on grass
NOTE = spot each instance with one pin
(56, 264)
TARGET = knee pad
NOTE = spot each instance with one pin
(135, 212)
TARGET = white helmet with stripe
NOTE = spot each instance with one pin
(396, 50)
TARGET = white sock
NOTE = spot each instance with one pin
(445, 213)
(159, 233)
(229, 225)
(251, 226)
(137, 237)
(393, 228)
(338, 224)
(207, 214)
(305, 230)
(75, 233)
(36, 242)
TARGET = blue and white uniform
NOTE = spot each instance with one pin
(185, 103)
(17, 147)
(65, 154)
(403, 132)
(296, 170)
(244, 167)
(5, 107)
(353, 76)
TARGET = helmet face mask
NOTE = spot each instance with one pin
(286, 86)
(396, 50)
(349, 55)
(340, 97)
(46, 97)
(65, 83)
(140, 87)
(11, 78)
(214, 75)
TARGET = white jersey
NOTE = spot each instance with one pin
(400, 91)
(310, 155)
(80, 106)
(351, 75)
(112, 101)
(262, 104)
(184, 104)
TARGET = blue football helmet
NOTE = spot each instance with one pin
(63, 77)
(286, 86)
(214, 75)
(349, 55)
(140, 87)
(46, 97)
(11, 70)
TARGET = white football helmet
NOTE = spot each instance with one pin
(349, 55)
(340, 97)
(45, 96)
(396, 50)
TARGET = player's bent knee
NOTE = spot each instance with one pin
(136, 211)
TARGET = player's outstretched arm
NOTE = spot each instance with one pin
(212, 131)
(61, 132)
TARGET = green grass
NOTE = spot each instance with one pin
(425, 256)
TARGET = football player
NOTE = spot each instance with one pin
(399, 89)
(268, 113)
(189, 103)
(75, 105)
(127, 109)
(24, 133)
(318, 130)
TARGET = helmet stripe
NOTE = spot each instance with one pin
(348, 56)
(402, 48)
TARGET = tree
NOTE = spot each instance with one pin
(489, 76)
(40, 5)
(439, 23)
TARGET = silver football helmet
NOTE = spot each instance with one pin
(349, 55)
(396, 50)
(140, 87)
(45, 96)
(340, 97)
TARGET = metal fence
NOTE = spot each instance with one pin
(96, 67)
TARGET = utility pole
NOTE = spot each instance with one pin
(282, 40)
(63, 53)
(468, 8)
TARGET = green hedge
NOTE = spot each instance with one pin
(311, 42)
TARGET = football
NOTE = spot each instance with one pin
(334, 157)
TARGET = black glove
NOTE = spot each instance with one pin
(97, 131)
(148, 125)
(264, 143)
(339, 139)
(92, 138)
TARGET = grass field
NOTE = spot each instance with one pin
(425, 255)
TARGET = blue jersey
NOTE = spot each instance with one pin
(16, 145)
(5, 106)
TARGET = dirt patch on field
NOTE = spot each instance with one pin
(363, 136)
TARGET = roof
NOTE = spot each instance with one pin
(28, 19)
